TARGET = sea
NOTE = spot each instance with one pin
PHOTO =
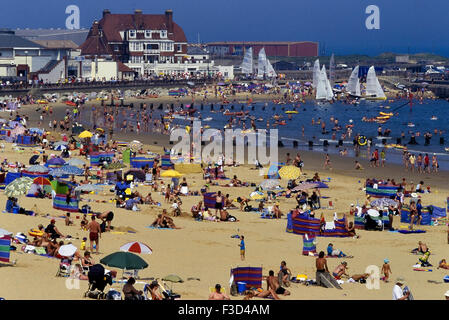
(415, 119)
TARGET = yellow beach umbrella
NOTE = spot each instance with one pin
(171, 174)
(85, 134)
(256, 195)
(289, 172)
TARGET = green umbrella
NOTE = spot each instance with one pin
(124, 260)
(18, 187)
(172, 278)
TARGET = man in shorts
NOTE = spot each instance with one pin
(94, 234)
(273, 284)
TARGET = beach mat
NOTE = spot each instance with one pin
(159, 228)
(411, 231)
(422, 269)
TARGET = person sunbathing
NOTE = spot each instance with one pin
(273, 284)
(358, 277)
(276, 211)
(235, 182)
(87, 260)
(443, 264)
(340, 270)
(149, 199)
(351, 230)
(77, 273)
(422, 248)
(217, 294)
(196, 209)
(249, 294)
(228, 202)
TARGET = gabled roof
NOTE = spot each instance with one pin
(8, 39)
(123, 68)
(112, 24)
(95, 43)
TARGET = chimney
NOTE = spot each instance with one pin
(106, 12)
(138, 21)
(169, 20)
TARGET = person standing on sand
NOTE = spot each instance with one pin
(321, 266)
(398, 294)
(94, 234)
(386, 270)
(327, 162)
(242, 248)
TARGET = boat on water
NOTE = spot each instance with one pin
(264, 67)
(247, 64)
(374, 90)
(410, 125)
(434, 118)
(353, 86)
(324, 91)
(291, 111)
(207, 119)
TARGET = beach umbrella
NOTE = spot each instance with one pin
(33, 159)
(272, 172)
(171, 174)
(373, 213)
(85, 134)
(124, 260)
(75, 162)
(135, 145)
(72, 170)
(67, 250)
(44, 183)
(58, 173)
(18, 130)
(269, 184)
(383, 202)
(60, 147)
(37, 168)
(289, 172)
(88, 188)
(136, 247)
(4, 232)
(305, 186)
(18, 187)
(136, 173)
(172, 278)
(36, 130)
(60, 143)
(56, 162)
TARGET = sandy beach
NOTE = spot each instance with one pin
(205, 250)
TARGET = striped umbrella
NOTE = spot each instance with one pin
(305, 186)
(136, 247)
(289, 172)
(18, 187)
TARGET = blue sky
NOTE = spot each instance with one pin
(339, 25)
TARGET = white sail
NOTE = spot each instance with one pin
(270, 70)
(332, 70)
(354, 82)
(373, 87)
(323, 90)
(316, 73)
(261, 64)
(247, 64)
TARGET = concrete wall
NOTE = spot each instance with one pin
(104, 69)
(54, 75)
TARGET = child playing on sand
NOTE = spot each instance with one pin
(68, 221)
(386, 270)
(84, 222)
(242, 247)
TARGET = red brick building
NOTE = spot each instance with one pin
(274, 48)
(136, 38)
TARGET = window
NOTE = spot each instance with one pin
(116, 48)
(147, 33)
(179, 48)
(135, 59)
(132, 34)
(163, 33)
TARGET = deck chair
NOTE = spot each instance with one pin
(148, 179)
(64, 268)
(131, 273)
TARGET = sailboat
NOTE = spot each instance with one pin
(264, 67)
(316, 73)
(247, 64)
(332, 70)
(374, 90)
(353, 87)
(324, 90)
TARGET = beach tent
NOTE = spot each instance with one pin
(309, 244)
(138, 175)
(251, 276)
(141, 162)
(428, 213)
(97, 158)
(304, 224)
(25, 141)
(381, 191)
(11, 176)
(210, 200)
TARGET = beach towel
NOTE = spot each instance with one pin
(422, 269)
(411, 231)
(252, 276)
(159, 228)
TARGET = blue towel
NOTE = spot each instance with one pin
(151, 227)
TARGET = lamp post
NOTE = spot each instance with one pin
(26, 63)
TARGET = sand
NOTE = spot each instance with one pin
(205, 250)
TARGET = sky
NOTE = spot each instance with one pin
(405, 26)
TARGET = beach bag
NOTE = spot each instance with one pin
(248, 208)
(113, 295)
(232, 219)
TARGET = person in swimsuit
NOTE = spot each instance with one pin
(273, 284)
(218, 203)
(130, 292)
(321, 266)
(106, 217)
(286, 273)
(217, 294)
(340, 270)
(94, 234)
